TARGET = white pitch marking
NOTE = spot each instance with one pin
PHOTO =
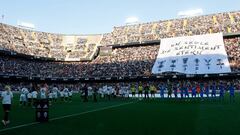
(62, 117)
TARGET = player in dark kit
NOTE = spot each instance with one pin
(146, 91)
(175, 90)
(85, 90)
(201, 94)
(202, 91)
(169, 88)
(221, 91)
(94, 94)
(194, 92)
(162, 89)
(181, 90)
(206, 88)
(185, 86)
(185, 89)
(214, 89)
(232, 92)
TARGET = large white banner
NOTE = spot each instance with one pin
(201, 54)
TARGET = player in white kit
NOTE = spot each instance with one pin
(23, 96)
(55, 93)
(6, 97)
(65, 92)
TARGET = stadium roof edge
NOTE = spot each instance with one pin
(123, 25)
(51, 32)
(177, 18)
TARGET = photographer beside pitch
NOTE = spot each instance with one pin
(6, 97)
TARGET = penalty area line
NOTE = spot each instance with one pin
(67, 116)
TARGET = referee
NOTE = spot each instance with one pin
(85, 90)
(146, 89)
(6, 97)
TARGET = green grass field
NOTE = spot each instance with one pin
(129, 117)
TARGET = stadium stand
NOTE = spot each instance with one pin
(134, 51)
(222, 22)
(128, 61)
(41, 44)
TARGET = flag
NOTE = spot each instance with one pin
(229, 29)
(185, 23)
(215, 20)
(231, 18)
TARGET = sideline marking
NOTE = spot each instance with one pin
(67, 116)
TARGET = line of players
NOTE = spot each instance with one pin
(177, 89)
(185, 89)
(29, 96)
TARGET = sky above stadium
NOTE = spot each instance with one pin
(100, 16)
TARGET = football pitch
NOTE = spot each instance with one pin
(128, 117)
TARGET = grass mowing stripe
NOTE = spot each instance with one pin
(67, 116)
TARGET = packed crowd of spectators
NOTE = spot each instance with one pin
(127, 61)
(131, 61)
(40, 44)
(232, 46)
(123, 62)
(228, 22)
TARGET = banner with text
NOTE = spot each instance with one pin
(200, 54)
